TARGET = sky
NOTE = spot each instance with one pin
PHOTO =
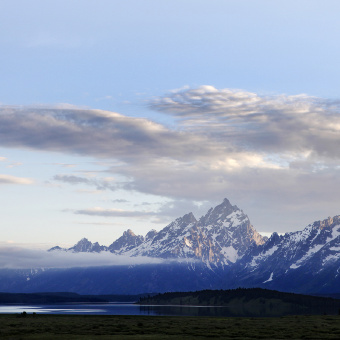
(119, 115)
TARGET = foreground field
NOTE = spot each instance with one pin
(161, 327)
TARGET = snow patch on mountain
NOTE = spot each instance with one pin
(308, 254)
(331, 258)
(294, 266)
(230, 253)
(314, 245)
(259, 258)
(270, 278)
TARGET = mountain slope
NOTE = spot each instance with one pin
(307, 260)
(139, 279)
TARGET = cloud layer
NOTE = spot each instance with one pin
(14, 257)
(269, 154)
(95, 133)
(278, 124)
(115, 213)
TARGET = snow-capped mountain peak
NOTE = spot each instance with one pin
(220, 237)
(86, 246)
(126, 242)
(218, 214)
(150, 235)
(230, 230)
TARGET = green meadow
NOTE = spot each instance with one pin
(41, 326)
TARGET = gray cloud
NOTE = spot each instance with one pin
(100, 184)
(114, 213)
(72, 179)
(283, 199)
(179, 207)
(96, 133)
(119, 200)
(165, 214)
(276, 124)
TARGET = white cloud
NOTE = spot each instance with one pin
(64, 165)
(8, 179)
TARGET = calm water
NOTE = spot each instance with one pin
(116, 309)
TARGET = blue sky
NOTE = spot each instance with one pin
(129, 114)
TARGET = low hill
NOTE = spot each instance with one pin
(63, 297)
(250, 302)
(47, 298)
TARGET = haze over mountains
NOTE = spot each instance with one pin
(221, 250)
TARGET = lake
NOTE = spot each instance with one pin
(116, 309)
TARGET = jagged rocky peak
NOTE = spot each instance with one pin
(317, 233)
(151, 234)
(176, 227)
(84, 245)
(56, 248)
(126, 242)
(257, 237)
(274, 238)
(220, 213)
(129, 233)
(230, 230)
(96, 247)
(329, 222)
(270, 243)
(180, 239)
(183, 221)
(189, 218)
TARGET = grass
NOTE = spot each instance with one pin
(166, 327)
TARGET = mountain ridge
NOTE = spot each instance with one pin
(220, 237)
(221, 250)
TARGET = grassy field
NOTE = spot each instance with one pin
(165, 327)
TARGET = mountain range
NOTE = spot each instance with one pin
(221, 250)
(220, 237)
